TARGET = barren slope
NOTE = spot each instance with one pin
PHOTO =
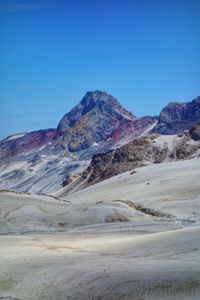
(153, 254)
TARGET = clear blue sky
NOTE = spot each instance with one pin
(143, 52)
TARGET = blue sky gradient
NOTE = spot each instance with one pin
(145, 53)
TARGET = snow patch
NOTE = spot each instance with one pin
(14, 137)
(170, 140)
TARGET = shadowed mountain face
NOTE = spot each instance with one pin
(177, 117)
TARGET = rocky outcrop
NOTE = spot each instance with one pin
(195, 132)
(71, 178)
(134, 154)
(177, 117)
(149, 149)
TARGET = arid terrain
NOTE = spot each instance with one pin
(133, 236)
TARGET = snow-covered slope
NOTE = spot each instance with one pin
(39, 171)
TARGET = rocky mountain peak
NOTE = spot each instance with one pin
(94, 99)
(92, 120)
(96, 96)
(93, 103)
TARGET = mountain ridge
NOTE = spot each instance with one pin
(40, 161)
(93, 120)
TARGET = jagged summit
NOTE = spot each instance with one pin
(97, 102)
(96, 96)
(92, 120)
(93, 98)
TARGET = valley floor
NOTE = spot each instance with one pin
(134, 236)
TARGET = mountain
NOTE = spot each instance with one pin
(97, 130)
(39, 161)
(177, 117)
(92, 121)
(100, 120)
(97, 118)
